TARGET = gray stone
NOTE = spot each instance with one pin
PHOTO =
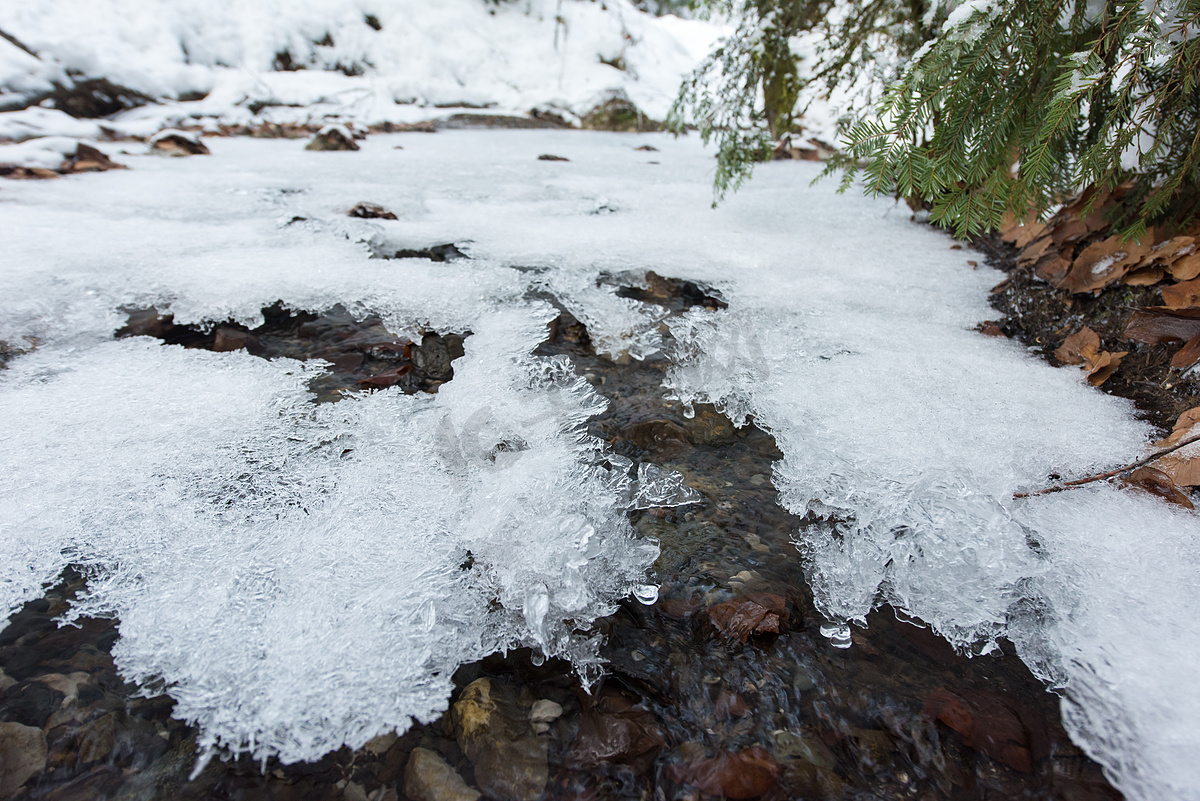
(22, 754)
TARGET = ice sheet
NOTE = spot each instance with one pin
(848, 335)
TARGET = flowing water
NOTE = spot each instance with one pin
(727, 682)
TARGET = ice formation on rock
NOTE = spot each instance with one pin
(848, 336)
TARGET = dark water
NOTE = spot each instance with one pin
(723, 687)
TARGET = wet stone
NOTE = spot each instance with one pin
(22, 755)
(362, 353)
(492, 730)
(428, 777)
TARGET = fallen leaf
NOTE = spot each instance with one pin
(1101, 368)
(1187, 268)
(1183, 466)
(1052, 268)
(1034, 251)
(759, 613)
(551, 157)
(1188, 355)
(1145, 276)
(1156, 325)
(1076, 348)
(748, 773)
(1157, 482)
(1104, 262)
(1182, 295)
(1070, 231)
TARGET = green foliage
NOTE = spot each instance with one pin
(748, 92)
(1006, 110)
(1061, 95)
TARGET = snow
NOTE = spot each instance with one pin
(427, 59)
(848, 336)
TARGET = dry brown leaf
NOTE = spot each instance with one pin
(1145, 276)
(1070, 231)
(1052, 268)
(1183, 466)
(1157, 482)
(1181, 295)
(1174, 248)
(1186, 268)
(1188, 355)
(1101, 263)
(1156, 325)
(1101, 368)
(1034, 251)
(1021, 232)
(1078, 347)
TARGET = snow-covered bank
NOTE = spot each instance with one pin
(367, 61)
(848, 334)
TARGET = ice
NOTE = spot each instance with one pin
(849, 336)
(297, 577)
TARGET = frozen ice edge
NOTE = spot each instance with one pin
(848, 336)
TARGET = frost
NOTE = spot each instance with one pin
(302, 577)
(206, 495)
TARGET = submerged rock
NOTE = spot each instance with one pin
(22, 754)
(428, 777)
(510, 761)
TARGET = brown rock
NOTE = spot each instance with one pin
(428, 777)
(178, 143)
(992, 723)
(231, 339)
(22, 755)
(371, 211)
(613, 730)
(758, 613)
(88, 159)
(745, 774)
(332, 138)
(730, 705)
(510, 761)
(97, 739)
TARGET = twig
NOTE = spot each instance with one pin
(1066, 485)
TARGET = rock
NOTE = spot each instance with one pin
(333, 137)
(6, 681)
(428, 777)
(618, 113)
(97, 739)
(745, 774)
(730, 705)
(551, 157)
(22, 754)
(230, 339)
(510, 761)
(757, 613)
(381, 744)
(371, 211)
(177, 143)
(88, 159)
(543, 713)
(613, 730)
(709, 427)
(19, 172)
(995, 723)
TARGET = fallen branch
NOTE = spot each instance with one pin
(1066, 485)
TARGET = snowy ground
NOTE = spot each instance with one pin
(848, 335)
(365, 61)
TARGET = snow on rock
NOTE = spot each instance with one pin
(367, 60)
(848, 335)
